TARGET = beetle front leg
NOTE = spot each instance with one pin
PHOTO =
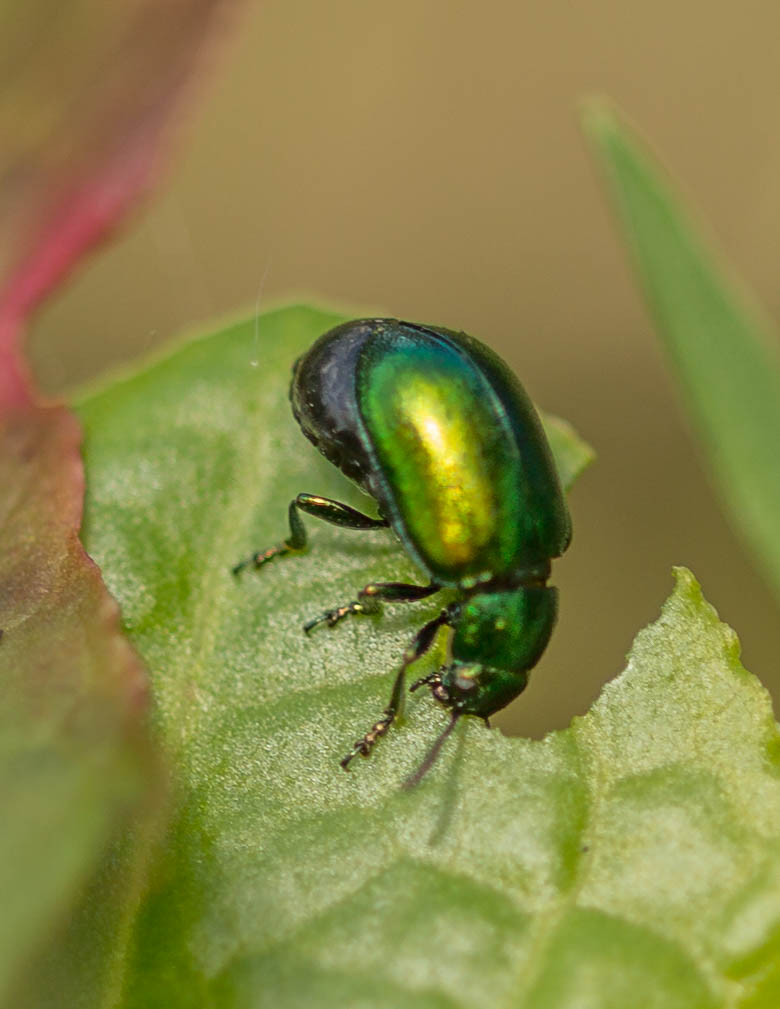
(369, 599)
(324, 508)
(420, 644)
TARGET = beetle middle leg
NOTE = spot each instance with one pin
(324, 508)
(419, 645)
(369, 599)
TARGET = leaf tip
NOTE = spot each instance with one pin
(685, 582)
(572, 454)
(599, 119)
(687, 592)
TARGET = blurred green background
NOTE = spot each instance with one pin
(424, 159)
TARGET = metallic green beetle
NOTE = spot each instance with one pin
(435, 427)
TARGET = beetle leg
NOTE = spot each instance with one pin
(369, 598)
(324, 508)
(419, 645)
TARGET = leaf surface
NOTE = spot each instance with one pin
(635, 852)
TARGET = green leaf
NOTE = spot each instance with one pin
(726, 355)
(634, 855)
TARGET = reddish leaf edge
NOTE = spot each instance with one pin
(97, 671)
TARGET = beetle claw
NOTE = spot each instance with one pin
(261, 557)
(364, 746)
(334, 616)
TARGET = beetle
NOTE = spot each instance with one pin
(436, 428)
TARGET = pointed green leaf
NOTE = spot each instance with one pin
(725, 353)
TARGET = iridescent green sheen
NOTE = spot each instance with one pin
(463, 461)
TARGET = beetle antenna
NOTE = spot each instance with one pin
(433, 753)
